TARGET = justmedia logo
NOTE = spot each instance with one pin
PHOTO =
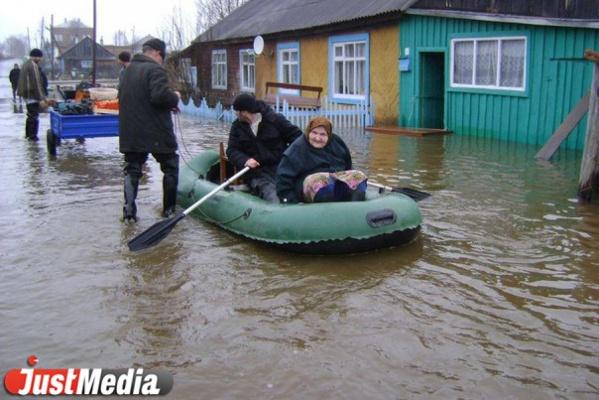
(86, 381)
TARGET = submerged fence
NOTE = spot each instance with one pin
(341, 115)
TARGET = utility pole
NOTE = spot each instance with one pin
(94, 48)
(52, 46)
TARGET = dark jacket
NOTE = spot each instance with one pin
(14, 77)
(275, 133)
(31, 82)
(145, 104)
(301, 160)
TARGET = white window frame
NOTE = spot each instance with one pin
(349, 93)
(247, 71)
(499, 41)
(219, 74)
(288, 48)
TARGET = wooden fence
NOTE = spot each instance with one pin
(341, 115)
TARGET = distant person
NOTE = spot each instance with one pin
(14, 81)
(145, 126)
(33, 88)
(123, 59)
(257, 139)
(318, 168)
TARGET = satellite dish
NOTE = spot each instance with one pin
(258, 45)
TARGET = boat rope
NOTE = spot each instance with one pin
(178, 131)
(245, 215)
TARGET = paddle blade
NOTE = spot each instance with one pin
(416, 195)
(154, 234)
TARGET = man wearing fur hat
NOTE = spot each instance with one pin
(32, 88)
(257, 139)
(145, 125)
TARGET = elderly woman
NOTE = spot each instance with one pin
(317, 167)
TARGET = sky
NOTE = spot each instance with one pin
(147, 17)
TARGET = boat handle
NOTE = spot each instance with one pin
(379, 218)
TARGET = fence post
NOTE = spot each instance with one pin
(589, 168)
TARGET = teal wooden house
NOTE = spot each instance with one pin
(511, 70)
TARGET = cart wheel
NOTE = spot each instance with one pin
(51, 142)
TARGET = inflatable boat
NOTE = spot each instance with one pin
(384, 219)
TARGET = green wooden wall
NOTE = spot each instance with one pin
(553, 86)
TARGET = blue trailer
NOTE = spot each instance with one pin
(80, 127)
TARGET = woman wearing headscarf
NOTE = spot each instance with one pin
(317, 167)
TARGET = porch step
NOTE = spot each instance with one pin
(407, 131)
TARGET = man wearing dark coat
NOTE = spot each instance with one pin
(257, 139)
(33, 88)
(13, 76)
(145, 125)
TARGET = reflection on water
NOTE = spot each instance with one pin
(498, 298)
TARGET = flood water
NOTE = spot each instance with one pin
(497, 299)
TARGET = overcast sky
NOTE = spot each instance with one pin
(148, 17)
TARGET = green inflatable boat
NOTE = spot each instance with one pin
(383, 220)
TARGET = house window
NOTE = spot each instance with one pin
(349, 66)
(489, 63)
(247, 70)
(219, 69)
(288, 70)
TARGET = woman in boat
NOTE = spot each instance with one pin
(317, 167)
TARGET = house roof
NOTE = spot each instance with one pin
(263, 17)
(76, 51)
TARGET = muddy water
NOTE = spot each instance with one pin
(498, 298)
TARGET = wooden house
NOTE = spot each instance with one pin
(349, 48)
(505, 69)
(509, 69)
(77, 61)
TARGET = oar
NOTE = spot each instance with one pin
(154, 234)
(417, 195)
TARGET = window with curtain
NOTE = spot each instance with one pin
(349, 60)
(219, 69)
(247, 70)
(489, 63)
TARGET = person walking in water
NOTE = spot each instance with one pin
(13, 76)
(145, 125)
(32, 87)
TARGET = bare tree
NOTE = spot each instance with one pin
(209, 12)
(15, 46)
(177, 32)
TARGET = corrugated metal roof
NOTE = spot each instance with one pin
(262, 17)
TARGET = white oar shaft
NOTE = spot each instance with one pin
(215, 190)
(378, 185)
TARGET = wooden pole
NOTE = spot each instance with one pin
(52, 46)
(589, 168)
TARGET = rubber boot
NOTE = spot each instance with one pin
(34, 129)
(169, 195)
(130, 209)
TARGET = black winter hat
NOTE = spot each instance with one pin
(36, 53)
(158, 45)
(246, 102)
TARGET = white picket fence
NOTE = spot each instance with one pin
(341, 115)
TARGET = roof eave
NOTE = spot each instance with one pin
(517, 19)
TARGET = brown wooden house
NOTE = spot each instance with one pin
(77, 61)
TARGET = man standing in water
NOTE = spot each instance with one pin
(32, 87)
(145, 125)
(13, 76)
